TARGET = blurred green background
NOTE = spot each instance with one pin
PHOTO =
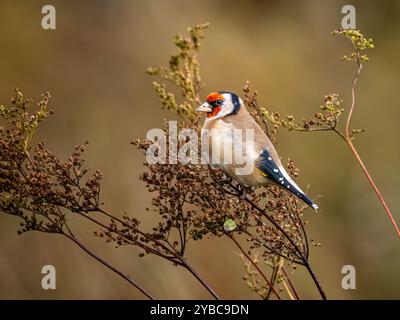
(94, 65)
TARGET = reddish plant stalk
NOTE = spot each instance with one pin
(348, 139)
(376, 189)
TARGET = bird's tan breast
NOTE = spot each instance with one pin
(249, 142)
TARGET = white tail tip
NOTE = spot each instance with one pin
(315, 207)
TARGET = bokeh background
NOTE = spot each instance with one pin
(94, 65)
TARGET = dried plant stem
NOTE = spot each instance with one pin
(376, 189)
(315, 279)
(288, 290)
(174, 258)
(348, 139)
(304, 259)
(177, 259)
(353, 97)
(283, 269)
(71, 237)
(274, 277)
(279, 268)
(295, 246)
(182, 260)
(199, 278)
(254, 265)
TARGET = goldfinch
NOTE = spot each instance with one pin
(226, 114)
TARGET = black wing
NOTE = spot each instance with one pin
(270, 170)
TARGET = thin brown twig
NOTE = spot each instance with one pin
(173, 258)
(182, 261)
(274, 277)
(290, 282)
(254, 264)
(376, 189)
(199, 278)
(353, 95)
(301, 255)
(72, 237)
(348, 138)
(303, 258)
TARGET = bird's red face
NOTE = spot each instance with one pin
(220, 104)
(215, 100)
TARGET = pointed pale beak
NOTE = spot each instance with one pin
(205, 107)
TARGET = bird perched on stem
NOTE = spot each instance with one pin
(229, 148)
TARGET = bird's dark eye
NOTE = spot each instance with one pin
(216, 103)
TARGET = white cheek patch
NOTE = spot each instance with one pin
(225, 111)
